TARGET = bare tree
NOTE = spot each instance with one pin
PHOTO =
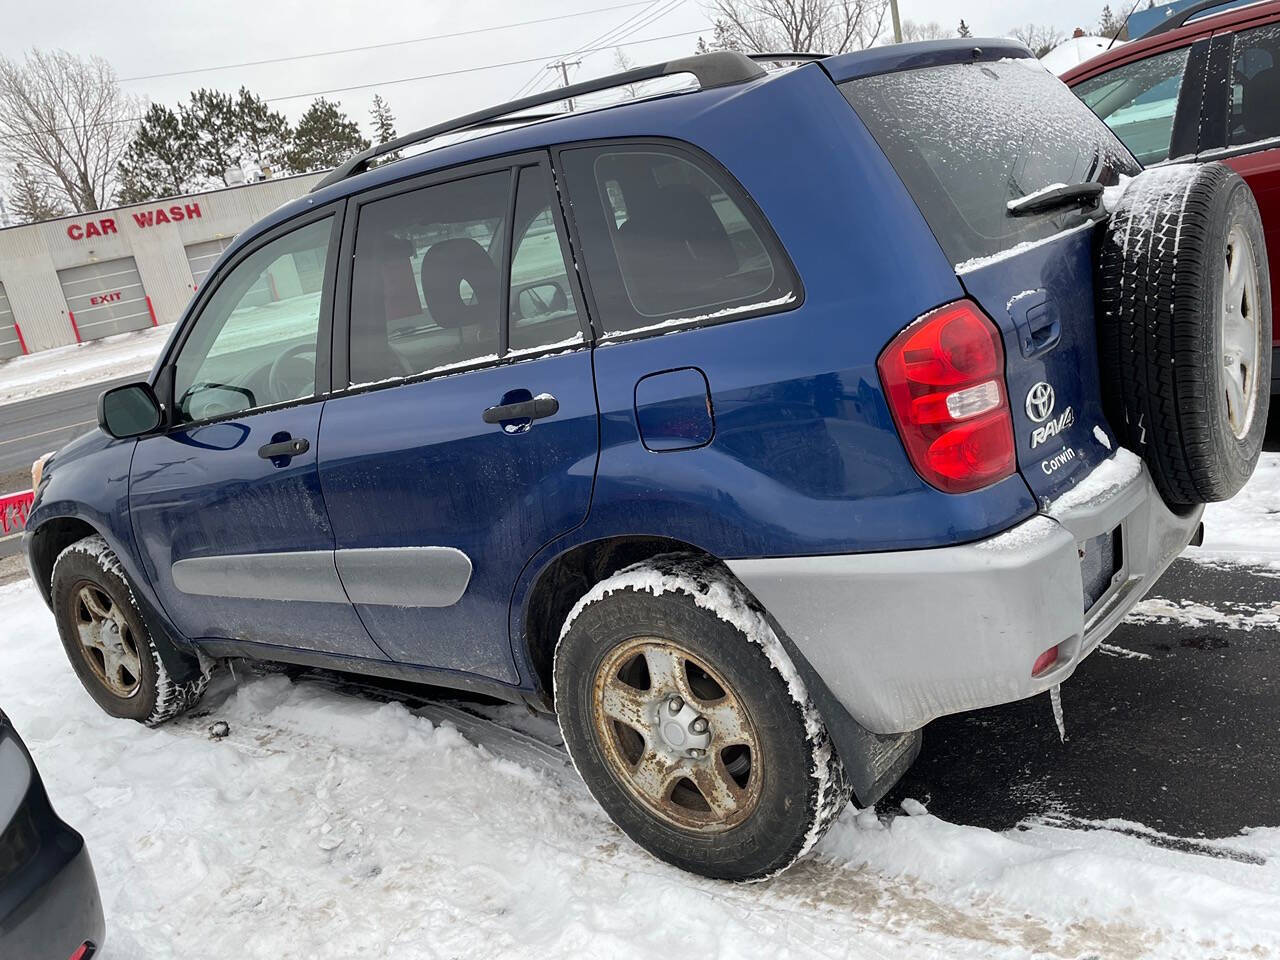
(621, 64)
(68, 122)
(1040, 39)
(800, 26)
(30, 198)
(912, 31)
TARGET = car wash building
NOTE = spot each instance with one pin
(90, 276)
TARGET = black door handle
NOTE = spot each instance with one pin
(284, 448)
(535, 409)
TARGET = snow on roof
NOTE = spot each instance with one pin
(1075, 51)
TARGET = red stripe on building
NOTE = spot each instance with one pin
(21, 342)
(152, 310)
(13, 511)
(74, 328)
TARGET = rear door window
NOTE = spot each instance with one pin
(667, 239)
(425, 291)
(1255, 86)
(968, 138)
(1139, 101)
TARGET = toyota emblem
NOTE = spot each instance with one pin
(1040, 402)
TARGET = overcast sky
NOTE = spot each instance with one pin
(142, 38)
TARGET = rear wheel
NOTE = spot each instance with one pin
(1185, 329)
(685, 720)
(107, 640)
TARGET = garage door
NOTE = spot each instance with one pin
(106, 298)
(202, 256)
(10, 338)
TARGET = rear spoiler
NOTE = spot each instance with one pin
(929, 53)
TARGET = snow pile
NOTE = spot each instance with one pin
(1246, 528)
(325, 824)
(50, 371)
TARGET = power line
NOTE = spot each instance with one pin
(387, 83)
(383, 46)
(626, 28)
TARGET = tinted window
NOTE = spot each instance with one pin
(542, 308)
(1255, 86)
(968, 138)
(665, 239)
(425, 292)
(1139, 101)
(254, 343)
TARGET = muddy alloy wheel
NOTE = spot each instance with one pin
(129, 671)
(107, 642)
(682, 712)
(676, 736)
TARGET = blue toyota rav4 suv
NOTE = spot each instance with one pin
(748, 426)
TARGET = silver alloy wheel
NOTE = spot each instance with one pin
(1241, 331)
(107, 641)
(676, 736)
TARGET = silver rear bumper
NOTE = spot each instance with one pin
(904, 637)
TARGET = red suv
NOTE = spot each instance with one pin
(1198, 90)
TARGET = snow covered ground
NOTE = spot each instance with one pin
(51, 371)
(332, 824)
(1247, 527)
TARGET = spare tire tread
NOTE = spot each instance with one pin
(1155, 284)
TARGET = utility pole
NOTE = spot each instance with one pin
(897, 24)
(563, 66)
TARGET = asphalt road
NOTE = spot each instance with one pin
(29, 428)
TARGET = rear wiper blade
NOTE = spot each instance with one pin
(1086, 194)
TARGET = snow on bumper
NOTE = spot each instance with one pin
(907, 636)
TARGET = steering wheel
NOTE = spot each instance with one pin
(284, 383)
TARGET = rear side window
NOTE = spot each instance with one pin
(1255, 86)
(1139, 102)
(667, 239)
(968, 138)
(425, 292)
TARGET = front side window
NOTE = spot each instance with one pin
(1139, 101)
(425, 292)
(255, 342)
(666, 239)
(1255, 86)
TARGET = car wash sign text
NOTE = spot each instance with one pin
(106, 226)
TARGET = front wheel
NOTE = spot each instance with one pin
(682, 713)
(107, 640)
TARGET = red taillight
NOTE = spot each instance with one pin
(944, 380)
(1045, 661)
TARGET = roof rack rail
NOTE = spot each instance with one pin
(719, 69)
(786, 56)
(1179, 19)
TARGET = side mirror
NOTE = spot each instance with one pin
(129, 410)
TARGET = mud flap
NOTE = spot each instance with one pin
(873, 762)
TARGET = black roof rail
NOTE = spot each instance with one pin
(786, 56)
(711, 70)
(1180, 18)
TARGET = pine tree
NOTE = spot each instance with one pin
(722, 38)
(384, 124)
(324, 137)
(261, 134)
(211, 118)
(30, 199)
(161, 159)
(964, 30)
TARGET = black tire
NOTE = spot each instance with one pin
(1161, 283)
(796, 781)
(153, 696)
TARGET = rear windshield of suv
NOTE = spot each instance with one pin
(968, 138)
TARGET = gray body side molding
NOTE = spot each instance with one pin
(394, 576)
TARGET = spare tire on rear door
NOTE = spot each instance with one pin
(1185, 328)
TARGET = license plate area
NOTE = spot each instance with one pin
(1101, 558)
